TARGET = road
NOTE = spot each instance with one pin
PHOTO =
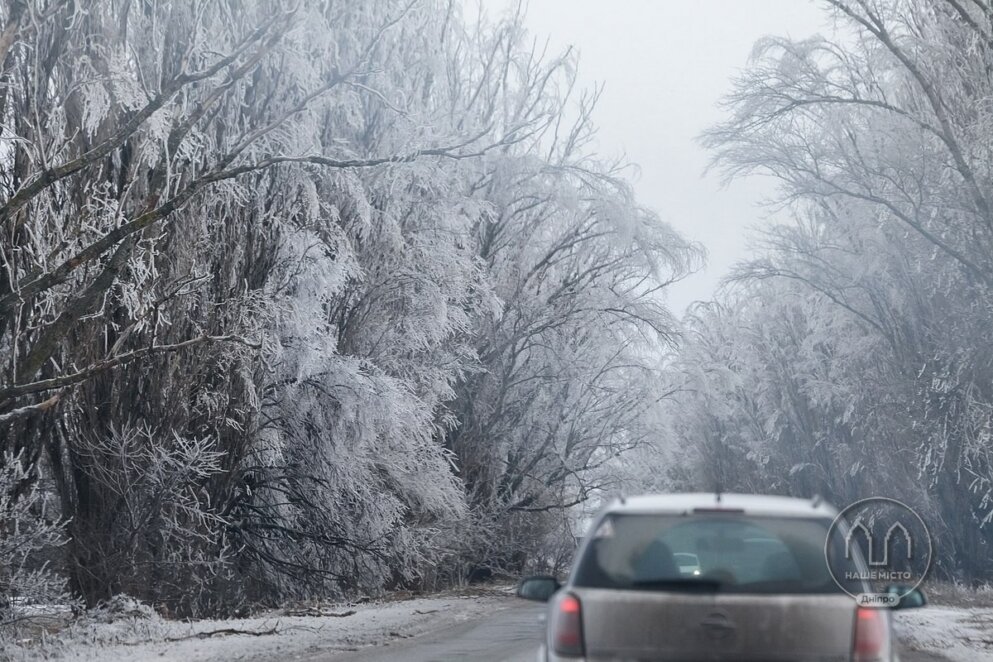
(507, 635)
(920, 656)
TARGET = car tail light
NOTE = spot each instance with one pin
(871, 642)
(567, 627)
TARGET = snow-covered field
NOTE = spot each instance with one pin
(287, 633)
(958, 633)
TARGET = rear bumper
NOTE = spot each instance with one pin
(545, 655)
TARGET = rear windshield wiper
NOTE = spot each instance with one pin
(679, 585)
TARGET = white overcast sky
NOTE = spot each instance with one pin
(665, 64)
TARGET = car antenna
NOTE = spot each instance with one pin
(717, 492)
(816, 500)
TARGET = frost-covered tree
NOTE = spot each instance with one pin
(294, 295)
(852, 357)
(571, 367)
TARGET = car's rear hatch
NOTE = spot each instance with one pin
(762, 590)
(648, 625)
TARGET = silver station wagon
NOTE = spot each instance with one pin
(712, 577)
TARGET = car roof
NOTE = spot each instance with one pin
(751, 504)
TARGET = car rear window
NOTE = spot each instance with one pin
(729, 553)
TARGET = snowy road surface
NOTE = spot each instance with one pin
(488, 626)
(959, 634)
(509, 634)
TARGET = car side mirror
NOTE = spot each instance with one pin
(538, 588)
(911, 598)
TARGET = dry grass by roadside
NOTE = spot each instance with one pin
(952, 594)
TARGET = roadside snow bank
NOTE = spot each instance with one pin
(346, 627)
(963, 634)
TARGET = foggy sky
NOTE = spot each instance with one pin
(665, 65)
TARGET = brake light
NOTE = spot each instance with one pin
(567, 627)
(871, 641)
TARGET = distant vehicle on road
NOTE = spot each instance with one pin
(713, 577)
(689, 564)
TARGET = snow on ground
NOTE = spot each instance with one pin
(278, 634)
(962, 634)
